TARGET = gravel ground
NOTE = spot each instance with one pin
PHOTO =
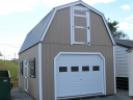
(121, 95)
(17, 94)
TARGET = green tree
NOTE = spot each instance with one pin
(117, 34)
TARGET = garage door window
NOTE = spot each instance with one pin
(62, 69)
(85, 68)
(74, 69)
(96, 68)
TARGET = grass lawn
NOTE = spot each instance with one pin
(12, 66)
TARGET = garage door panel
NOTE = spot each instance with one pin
(65, 91)
(73, 82)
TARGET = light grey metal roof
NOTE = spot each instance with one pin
(125, 43)
(35, 35)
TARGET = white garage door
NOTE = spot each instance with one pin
(79, 75)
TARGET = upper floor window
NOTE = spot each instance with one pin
(21, 68)
(32, 67)
(80, 25)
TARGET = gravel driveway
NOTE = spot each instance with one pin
(19, 95)
(121, 95)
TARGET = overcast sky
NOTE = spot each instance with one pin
(18, 17)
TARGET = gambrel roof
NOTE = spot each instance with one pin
(37, 34)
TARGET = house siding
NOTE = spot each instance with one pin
(121, 61)
(58, 39)
(33, 82)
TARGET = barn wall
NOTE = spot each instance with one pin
(58, 39)
(33, 82)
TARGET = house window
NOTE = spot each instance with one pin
(21, 68)
(32, 67)
(80, 26)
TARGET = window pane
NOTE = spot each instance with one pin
(80, 35)
(32, 66)
(74, 68)
(80, 21)
(62, 69)
(79, 12)
(96, 68)
(85, 68)
(21, 68)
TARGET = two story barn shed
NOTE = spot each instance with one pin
(69, 54)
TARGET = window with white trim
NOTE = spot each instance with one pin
(32, 67)
(80, 26)
(22, 67)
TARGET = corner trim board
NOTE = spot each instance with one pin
(40, 71)
(45, 32)
(114, 64)
(109, 32)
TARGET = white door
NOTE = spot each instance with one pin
(79, 75)
(26, 75)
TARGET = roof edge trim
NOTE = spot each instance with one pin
(44, 34)
(111, 37)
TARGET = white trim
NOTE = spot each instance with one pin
(45, 32)
(89, 29)
(114, 64)
(26, 74)
(76, 3)
(80, 8)
(75, 42)
(105, 91)
(55, 94)
(78, 15)
(73, 26)
(80, 27)
(40, 71)
(104, 20)
(83, 53)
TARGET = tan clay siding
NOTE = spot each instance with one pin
(80, 35)
(99, 34)
(33, 82)
(59, 32)
(58, 39)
